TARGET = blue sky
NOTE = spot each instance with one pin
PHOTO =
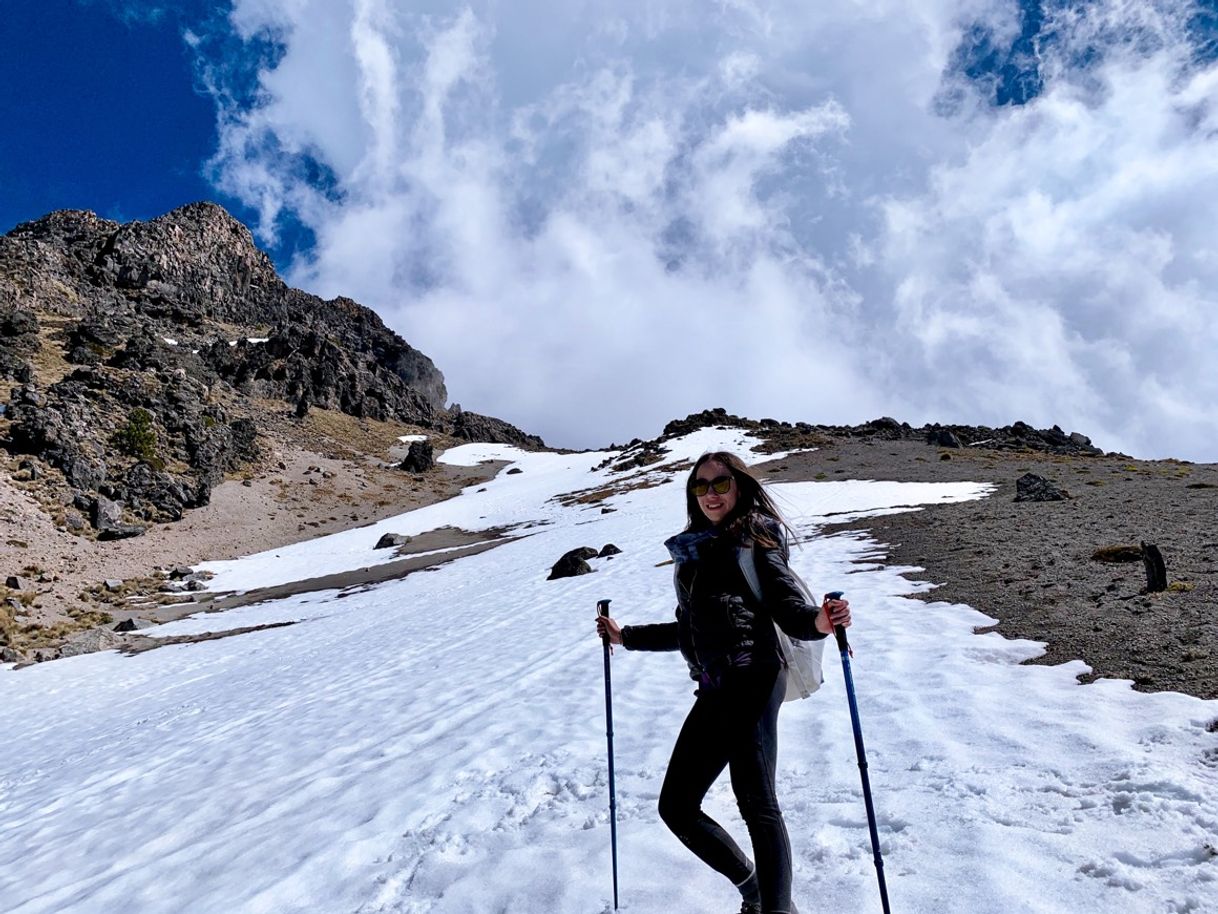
(943, 210)
(98, 114)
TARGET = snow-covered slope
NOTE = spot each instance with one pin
(437, 743)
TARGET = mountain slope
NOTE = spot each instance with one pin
(436, 743)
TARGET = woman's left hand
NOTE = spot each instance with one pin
(833, 612)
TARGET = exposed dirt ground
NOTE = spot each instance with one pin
(330, 473)
(1030, 564)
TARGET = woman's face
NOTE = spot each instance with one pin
(715, 505)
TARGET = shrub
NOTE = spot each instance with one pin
(138, 437)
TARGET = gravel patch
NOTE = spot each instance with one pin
(1030, 565)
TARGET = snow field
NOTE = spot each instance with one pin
(437, 743)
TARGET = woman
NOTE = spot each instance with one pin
(727, 637)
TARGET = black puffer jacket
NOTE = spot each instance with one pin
(720, 624)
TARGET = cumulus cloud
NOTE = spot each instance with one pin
(597, 219)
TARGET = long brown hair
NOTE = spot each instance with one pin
(753, 503)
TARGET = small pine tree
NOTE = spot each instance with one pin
(137, 438)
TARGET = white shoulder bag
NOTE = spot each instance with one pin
(803, 658)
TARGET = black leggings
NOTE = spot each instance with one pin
(734, 726)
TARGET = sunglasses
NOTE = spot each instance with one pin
(719, 485)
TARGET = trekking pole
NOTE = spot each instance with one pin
(602, 609)
(844, 646)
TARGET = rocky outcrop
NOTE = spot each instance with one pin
(19, 332)
(1030, 487)
(474, 427)
(175, 333)
(419, 459)
(573, 564)
(195, 276)
(309, 363)
(1019, 436)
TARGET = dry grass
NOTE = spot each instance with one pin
(8, 623)
(362, 436)
(32, 636)
(646, 480)
(48, 362)
(131, 587)
(1124, 552)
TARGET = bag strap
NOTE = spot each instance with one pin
(748, 565)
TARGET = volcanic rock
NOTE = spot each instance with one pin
(573, 563)
(1030, 487)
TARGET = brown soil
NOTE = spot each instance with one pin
(1030, 564)
(327, 474)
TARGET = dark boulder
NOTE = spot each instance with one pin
(390, 540)
(105, 513)
(156, 495)
(609, 549)
(573, 563)
(132, 625)
(97, 338)
(121, 532)
(942, 437)
(1030, 487)
(420, 458)
(18, 340)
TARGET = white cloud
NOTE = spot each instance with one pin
(598, 217)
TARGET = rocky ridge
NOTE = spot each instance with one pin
(146, 358)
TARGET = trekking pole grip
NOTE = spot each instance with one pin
(839, 632)
(602, 610)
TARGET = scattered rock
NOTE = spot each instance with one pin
(1030, 487)
(609, 549)
(1156, 568)
(88, 642)
(514, 471)
(419, 459)
(573, 563)
(113, 585)
(106, 513)
(13, 582)
(133, 625)
(942, 437)
(121, 532)
(390, 540)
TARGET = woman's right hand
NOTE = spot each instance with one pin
(607, 626)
